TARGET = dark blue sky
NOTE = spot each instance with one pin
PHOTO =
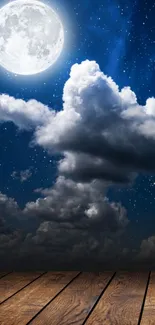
(120, 36)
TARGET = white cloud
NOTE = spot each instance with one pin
(150, 106)
(23, 175)
(25, 115)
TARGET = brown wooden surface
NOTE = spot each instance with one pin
(20, 308)
(74, 303)
(14, 282)
(3, 274)
(148, 316)
(74, 298)
(121, 304)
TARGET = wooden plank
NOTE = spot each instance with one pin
(14, 282)
(3, 274)
(20, 308)
(122, 301)
(148, 315)
(74, 303)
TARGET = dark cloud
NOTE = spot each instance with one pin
(84, 167)
(72, 221)
(83, 204)
(8, 207)
(147, 249)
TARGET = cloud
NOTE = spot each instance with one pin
(104, 137)
(9, 213)
(71, 220)
(77, 224)
(23, 175)
(25, 115)
(102, 131)
(8, 207)
(83, 204)
(64, 244)
(147, 249)
(85, 167)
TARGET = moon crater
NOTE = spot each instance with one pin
(31, 37)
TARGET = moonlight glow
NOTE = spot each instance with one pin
(31, 37)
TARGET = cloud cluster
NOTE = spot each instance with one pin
(72, 221)
(102, 131)
(61, 244)
(104, 137)
(82, 204)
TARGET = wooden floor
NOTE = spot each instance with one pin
(63, 298)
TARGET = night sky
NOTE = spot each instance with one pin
(120, 36)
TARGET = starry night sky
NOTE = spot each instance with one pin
(120, 36)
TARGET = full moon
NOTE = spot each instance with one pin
(31, 37)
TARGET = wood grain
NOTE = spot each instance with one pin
(148, 316)
(3, 274)
(19, 309)
(74, 303)
(122, 301)
(13, 282)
